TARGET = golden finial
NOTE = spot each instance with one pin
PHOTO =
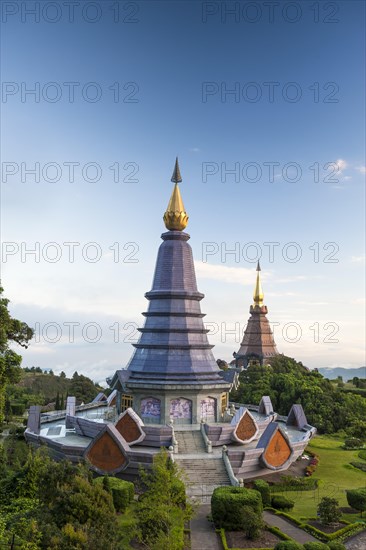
(258, 295)
(176, 177)
(175, 217)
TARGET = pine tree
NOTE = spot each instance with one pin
(57, 405)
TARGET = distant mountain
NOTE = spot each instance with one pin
(347, 374)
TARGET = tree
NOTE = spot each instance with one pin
(251, 522)
(162, 508)
(287, 381)
(11, 331)
(328, 510)
(58, 404)
(356, 498)
(46, 504)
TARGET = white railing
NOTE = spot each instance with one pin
(230, 472)
(174, 446)
(208, 443)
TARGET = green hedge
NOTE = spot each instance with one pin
(362, 454)
(315, 546)
(277, 531)
(341, 534)
(294, 484)
(288, 545)
(280, 502)
(360, 465)
(263, 488)
(227, 504)
(335, 545)
(122, 492)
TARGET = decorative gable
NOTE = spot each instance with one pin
(296, 417)
(108, 452)
(246, 428)
(265, 405)
(278, 451)
(129, 425)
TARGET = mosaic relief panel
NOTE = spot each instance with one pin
(181, 408)
(150, 407)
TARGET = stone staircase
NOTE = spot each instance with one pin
(202, 472)
(190, 442)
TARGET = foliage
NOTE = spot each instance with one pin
(263, 487)
(352, 443)
(362, 454)
(328, 510)
(47, 504)
(356, 498)
(289, 483)
(251, 522)
(122, 491)
(38, 388)
(277, 531)
(11, 331)
(280, 502)
(315, 546)
(360, 465)
(287, 381)
(227, 505)
(335, 545)
(338, 536)
(288, 545)
(162, 509)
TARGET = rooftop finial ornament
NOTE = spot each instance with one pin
(258, 295)
(175, 217)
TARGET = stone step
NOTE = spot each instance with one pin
(207, 471)
(190, 442)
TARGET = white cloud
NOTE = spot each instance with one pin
(241, 275)
(342, 164)
(361, 169)
(358, 259)
(195, 150)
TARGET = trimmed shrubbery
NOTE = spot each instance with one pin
(289, 483)
(335, 545)
(281, 503)
(356, 498)
(288, 545)
(263, 488)
(236, 508)
(360, 465)
(315, 546)
(352, 443)
(362, 454)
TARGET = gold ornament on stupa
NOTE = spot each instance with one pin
(175, 217)
(258, 295)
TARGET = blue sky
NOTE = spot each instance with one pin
(298, 158)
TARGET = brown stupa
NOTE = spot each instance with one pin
(258, 343)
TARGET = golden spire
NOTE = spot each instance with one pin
(258, 295)
(175, 217)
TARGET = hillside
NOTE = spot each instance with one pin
(38, 388)
(347, 374)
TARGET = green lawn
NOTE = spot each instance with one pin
(335, 477)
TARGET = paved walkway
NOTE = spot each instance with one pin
(203, 535)
(289, 528)
(358, 542)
